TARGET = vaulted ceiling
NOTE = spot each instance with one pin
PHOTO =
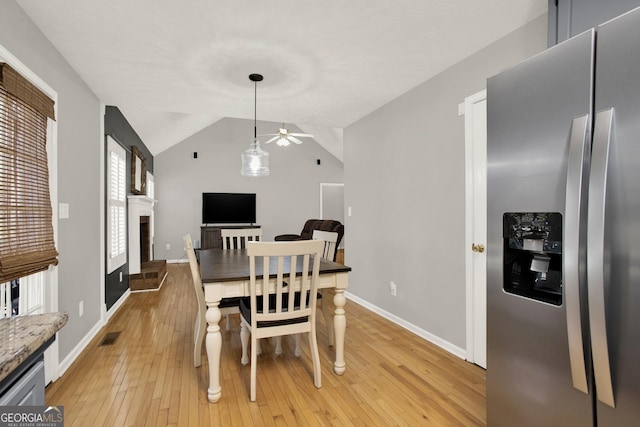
(176, 67)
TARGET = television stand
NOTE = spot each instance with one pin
(210, 234)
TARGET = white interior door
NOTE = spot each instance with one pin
(332, 203)
(476, 226)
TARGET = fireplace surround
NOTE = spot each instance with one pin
(140, 207)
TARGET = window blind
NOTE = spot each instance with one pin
(117, 205)
(26, 229)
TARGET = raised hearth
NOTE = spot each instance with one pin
(151, 276)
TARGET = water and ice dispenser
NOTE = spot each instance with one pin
(533, 255)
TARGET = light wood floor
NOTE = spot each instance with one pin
(147, 376)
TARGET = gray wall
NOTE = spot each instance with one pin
(285, 199)
(404, 179)
(78, 168)
(395, 194)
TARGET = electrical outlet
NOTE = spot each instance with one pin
(393, 288)
(81, 309)
(168, 246)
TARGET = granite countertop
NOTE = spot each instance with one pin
(21, 336)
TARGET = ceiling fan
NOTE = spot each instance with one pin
(284, 137)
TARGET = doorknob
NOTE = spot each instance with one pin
(477, 248)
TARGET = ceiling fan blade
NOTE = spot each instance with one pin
(269, 134)
(294, 139)
(272, 139)
(306, 135)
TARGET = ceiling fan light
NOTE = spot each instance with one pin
(283, 142)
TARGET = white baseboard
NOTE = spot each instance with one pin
(79, 348)
(445, 345)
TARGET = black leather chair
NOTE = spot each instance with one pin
(316, 224)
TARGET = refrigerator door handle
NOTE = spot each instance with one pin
(595, 255)
(578, 155)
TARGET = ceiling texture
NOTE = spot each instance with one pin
(176, 67)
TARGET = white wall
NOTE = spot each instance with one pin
(404, 180)
(285, 199)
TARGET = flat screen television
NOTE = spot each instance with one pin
(228, 208)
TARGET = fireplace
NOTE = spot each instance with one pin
(145, 239)
(145, 273)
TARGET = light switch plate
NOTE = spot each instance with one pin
(63, 210)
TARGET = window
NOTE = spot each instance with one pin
(150, 188)
(26, 230)
(116, 205)
(23, 296)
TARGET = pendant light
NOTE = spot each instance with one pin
(255, 161)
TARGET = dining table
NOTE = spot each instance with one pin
(225, 274)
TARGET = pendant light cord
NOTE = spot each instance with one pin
(255, 78)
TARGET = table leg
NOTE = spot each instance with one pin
(339, 326)
(214, 348)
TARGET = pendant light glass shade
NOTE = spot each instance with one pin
(255, 161)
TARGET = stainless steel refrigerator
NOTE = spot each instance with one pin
(563, 245)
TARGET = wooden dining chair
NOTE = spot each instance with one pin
(280, 301)
(226, 307)
(201, 322)
(329, 238)
(236, 238)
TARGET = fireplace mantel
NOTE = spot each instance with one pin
(138, 206)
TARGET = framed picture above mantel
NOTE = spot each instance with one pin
(138, 171)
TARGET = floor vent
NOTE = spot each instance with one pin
(109, 339)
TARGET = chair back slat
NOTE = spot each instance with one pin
(237, 238)
(290, 282)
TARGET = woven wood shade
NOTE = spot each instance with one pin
(20, 87)
(26, 230)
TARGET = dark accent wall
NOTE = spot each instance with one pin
(116, 125)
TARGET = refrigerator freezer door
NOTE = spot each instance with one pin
(618, 87)
(530, 111)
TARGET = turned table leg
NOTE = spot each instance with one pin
(339, 326)
(214, 348)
